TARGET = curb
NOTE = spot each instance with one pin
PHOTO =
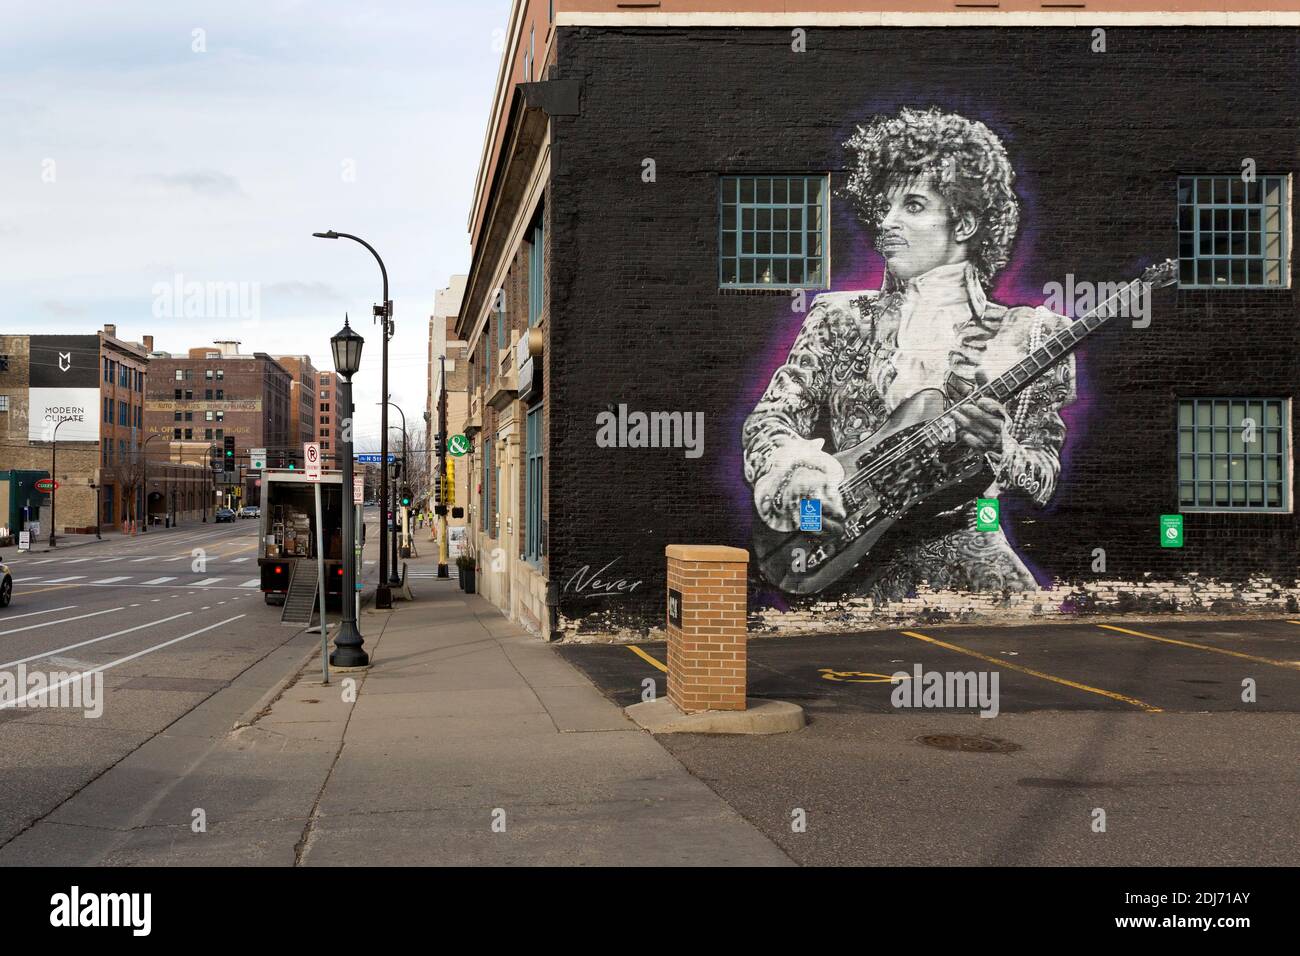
(255, 712)
(661, 716)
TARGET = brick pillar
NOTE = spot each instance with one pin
(706, 631)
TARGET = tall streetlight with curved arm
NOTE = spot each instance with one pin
(54, 459)
(383, 593)
(395, 579)
(144, 453)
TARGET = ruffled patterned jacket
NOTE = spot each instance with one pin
(843, 371)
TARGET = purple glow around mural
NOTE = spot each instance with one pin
(968, 563)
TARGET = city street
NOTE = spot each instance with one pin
(169, 618)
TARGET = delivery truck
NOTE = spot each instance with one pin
(287, 530)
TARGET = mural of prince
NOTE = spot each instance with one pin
(935, 193)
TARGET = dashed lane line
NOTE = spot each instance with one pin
(95, 640)
(53, 610)
(121, 660)
(65, 620)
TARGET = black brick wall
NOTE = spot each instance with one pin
(1097, 141)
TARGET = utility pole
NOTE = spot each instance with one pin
(443, 551)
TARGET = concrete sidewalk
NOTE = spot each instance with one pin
(469, 743)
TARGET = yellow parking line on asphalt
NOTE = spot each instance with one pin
(642, 654)
(48, 587)
(1204, 647)
(1150, 709)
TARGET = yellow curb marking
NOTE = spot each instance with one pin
(644, 656)
(1033, 673)
(1204, 647)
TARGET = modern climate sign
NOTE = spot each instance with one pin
(65, 373)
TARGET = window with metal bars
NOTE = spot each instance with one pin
(773, 232)
(1234, 454)
(1232, 233)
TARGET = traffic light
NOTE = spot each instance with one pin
(230, 453)
(406, 497)
(437, 446)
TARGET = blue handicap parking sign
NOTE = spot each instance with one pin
(810, 514)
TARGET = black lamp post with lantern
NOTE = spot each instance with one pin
(346, 346)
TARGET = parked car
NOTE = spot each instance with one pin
(224, 514)
(6, 585)
(250, 511)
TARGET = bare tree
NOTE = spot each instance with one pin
(418, 476)
(128, 473)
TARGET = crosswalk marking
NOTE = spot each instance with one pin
(239, 560)
(138, 560)
(46, 561)
(252, 583)
(74, 577)
(111, 580)
(181, 557)
(80, 560)
(160, 580)
(110, 560)
(206, 581)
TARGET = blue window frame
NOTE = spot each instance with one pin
(773, 232)
(533, 502)
(1234, 454)
(536, 273)
(1232, 233)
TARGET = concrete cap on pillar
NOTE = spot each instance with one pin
(706, 552)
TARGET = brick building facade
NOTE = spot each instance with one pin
(216, 393)
(304, 381)
(658, 164)
(93, 389)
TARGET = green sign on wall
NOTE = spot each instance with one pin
(986, 514)
(1171, 531)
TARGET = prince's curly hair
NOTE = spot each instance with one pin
(968, 166)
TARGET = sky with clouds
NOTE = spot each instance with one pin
(148, 143)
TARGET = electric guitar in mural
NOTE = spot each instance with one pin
(910, 467)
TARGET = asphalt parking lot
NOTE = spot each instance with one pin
(1145, 722)
(1188, 666)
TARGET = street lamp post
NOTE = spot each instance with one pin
(383, 593)
(395, 579)
(209, 493)
(54, 459)
(144, 451)
(98, 512)
(346, 346)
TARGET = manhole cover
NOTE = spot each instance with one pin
(969, 744)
